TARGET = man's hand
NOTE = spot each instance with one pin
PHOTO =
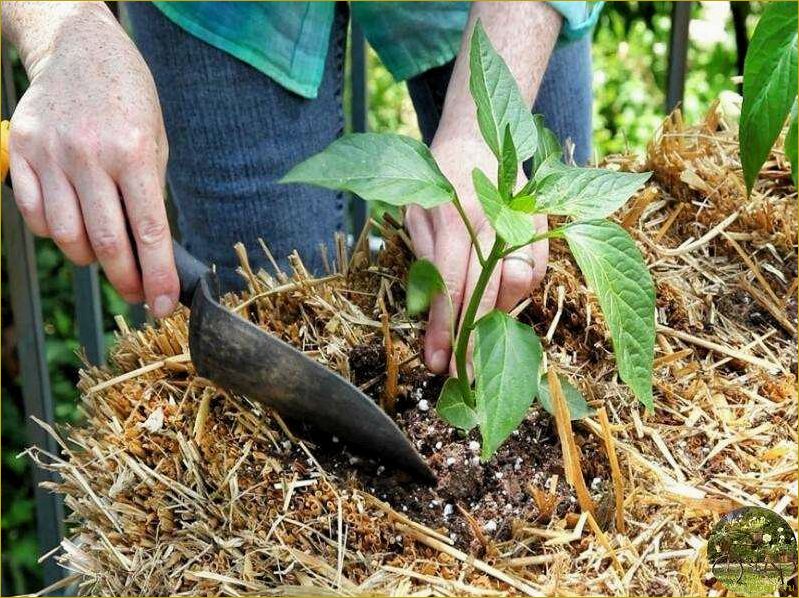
(88, 146)
(524, 33)
(440, 236)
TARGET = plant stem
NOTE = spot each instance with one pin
(468, 318)
(470, 229)
(547, 235)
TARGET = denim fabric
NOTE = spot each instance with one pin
(565, 97)
(233, 132)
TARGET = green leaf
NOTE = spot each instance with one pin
(508, 167)
(547, 166)
(616, 272)
(515, 227)
(453, 409)
(770, 81)
(584, 193)
(507, 355)
(548, 144)
(791, 143)
(578, 408)
(424, 283)
(551, 164)
(498, 99)
(392, 169)
(523, 203)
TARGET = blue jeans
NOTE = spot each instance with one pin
(233, 132)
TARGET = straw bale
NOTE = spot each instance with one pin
(177, 487)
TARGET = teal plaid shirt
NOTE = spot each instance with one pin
(288, 41)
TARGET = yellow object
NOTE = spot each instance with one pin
(5, 129)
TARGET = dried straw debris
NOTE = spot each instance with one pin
(176, 487)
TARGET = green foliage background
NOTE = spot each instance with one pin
(630, 58)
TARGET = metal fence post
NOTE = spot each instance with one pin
(89, 313)
(678, 53)
(358, 110)
(740, 10)
(35, 378)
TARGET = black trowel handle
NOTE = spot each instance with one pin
(190, 271)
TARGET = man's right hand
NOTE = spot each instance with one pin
(88, 147)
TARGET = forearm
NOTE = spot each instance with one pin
(35, 27)
(524, 34)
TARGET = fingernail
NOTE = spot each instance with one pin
(439, 360)
(162, 306)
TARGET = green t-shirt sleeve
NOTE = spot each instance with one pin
(288, 41)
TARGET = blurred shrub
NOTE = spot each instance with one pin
(21, 572)
(631, 44)
(390, 106)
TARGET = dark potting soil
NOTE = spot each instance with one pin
(514, 485)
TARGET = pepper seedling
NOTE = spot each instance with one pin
(398, 170)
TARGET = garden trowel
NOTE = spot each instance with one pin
(239, 356)
(244, 359)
